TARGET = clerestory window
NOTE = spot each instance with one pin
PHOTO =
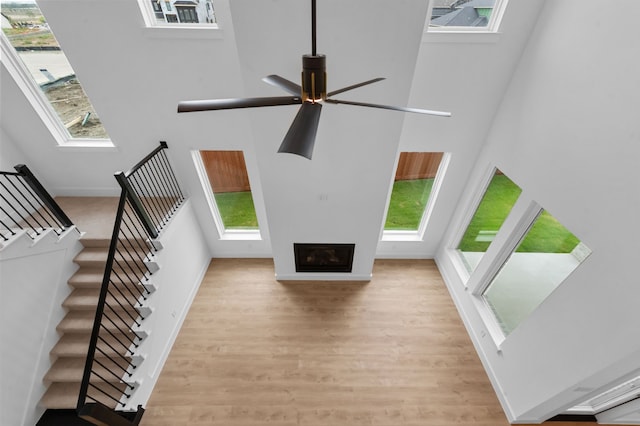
(465, 15)
(178, 13)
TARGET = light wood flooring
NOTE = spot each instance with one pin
(254, 351)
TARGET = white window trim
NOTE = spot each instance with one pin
(492, 26)
(176, 30)
(225, 234)
(41, 105)
(418, 235)
(465, 220)
(521, 218)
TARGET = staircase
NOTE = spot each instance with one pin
(95, 216)
(70, 352)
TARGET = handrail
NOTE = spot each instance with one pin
(153, 189)
(115, 337)
(26, 205)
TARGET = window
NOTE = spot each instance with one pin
(542, 260)
(187, 15)
(36, 59)
(228, 179)
(494, 207)
(178, 13)
(465, 15)
(413, 185)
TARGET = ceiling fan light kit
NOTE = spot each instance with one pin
(301, 136)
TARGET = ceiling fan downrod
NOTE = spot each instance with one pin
(314, 74)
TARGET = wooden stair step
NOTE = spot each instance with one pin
(77, 322)
(72, 369)
(92, 255)
(87, 299)
(97, 256)
(82, 322)
(60, 396)
(77, 345)
(95, 242)
(87, 278)
(92, 278)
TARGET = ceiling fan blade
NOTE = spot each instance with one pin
(355, 86)
(283, 83)
(391, 107)
(301, 136)
(215, 104)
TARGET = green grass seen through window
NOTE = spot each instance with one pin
(237, 210)
(547, 235)
(408, 201)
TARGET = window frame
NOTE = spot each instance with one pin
(514, 229)
(417, 235)
(20, 74)
(223, 232)
(493, 25)
(149, 17)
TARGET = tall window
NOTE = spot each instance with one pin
(43, 65)
(543, 259)
(496, 204)
(412, 188)
(229, 181)
(465, 14)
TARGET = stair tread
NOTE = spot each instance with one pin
(72, 369)
(81, 321)
(91, 255)
(77, 345)
(88, 277)
(87, 299)
(77, 321)
(65, 396)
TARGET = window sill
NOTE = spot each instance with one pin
(200, 31)
(241, 235)
(401, 236)
(88, 145)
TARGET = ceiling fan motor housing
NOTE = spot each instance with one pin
(314, 78)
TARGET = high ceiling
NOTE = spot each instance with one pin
(135, 77)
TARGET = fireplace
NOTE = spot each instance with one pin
(323, 257)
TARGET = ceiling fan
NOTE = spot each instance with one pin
(301, 136)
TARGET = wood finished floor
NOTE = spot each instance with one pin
(254, 351)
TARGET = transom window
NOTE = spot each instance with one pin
(175, 13)
(465, 15)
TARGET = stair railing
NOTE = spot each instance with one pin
(26, 205)
(150, 197)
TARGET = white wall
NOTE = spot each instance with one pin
(567, 134)
(10, 154)
(33, 286)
